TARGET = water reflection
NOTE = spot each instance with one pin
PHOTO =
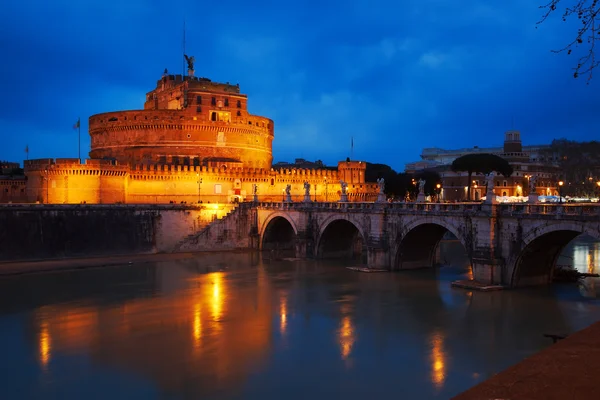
(282, 313)
(438, 359)
(346, 332)
(217, 326)
(585, 258)
(45, 344)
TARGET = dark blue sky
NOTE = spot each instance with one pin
(395, 75)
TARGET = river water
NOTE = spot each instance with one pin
(242, 326)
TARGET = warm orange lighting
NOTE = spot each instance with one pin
(438, 186)
(598, 183)
(217, 296)
(346, 337)
(438, 360)
(560, 183)
(197, 325)
(45, 344)
(282, 314)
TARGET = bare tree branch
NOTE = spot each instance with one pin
(588, 12)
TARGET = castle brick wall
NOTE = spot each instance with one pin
(13, 190)
(147, 136)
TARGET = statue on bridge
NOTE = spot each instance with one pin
(255, 192)
(381, 183)
(533, 196)
(307, 192)
(532, 183)
(490, 196)
(381, 196)
(288, 193)
(421, 195)
(344, 195)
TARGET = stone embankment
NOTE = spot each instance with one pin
(565, 370)
(52, 232)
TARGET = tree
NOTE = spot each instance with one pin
(431, 178)
(392, 182)
(483, 163)
(588, 12)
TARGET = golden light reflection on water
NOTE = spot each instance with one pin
(282, 314)
(438, 360)
(218, 296)
(45, 345)
(346, 332)
(197, 325)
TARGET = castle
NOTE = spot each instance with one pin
(194, 141)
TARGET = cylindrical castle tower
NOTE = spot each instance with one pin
(185, 121)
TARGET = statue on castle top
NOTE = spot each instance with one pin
(422, 186)
(344, 186)
(190, 62)
(381, 183)
(306, 189)
(254, 189)
(288, 189)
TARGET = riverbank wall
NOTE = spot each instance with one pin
(45, 232)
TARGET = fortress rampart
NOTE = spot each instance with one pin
(64, 181)
(151, 136)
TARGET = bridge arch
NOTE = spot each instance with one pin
(278, 231)
(541, 247)
(341, 237)
(418, 240)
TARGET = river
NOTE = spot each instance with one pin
(242, 326)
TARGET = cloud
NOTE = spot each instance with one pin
(397, 77)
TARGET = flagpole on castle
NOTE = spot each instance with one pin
(78, 127)
(79, 138)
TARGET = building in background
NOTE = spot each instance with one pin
(193, 141)
(527, 161)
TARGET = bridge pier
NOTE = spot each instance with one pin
(303, 246)
(487, 270)
(378, 257)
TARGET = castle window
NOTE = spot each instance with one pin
(226, 102)
(213, 101)
(213, 116)
(239, 113)
(239, 104)
(198, 99)
(249, 122)
(504, 183)
(198, 109)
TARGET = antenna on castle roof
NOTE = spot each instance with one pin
(183, 45)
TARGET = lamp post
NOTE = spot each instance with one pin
(199, 186)
(47, 184)
(560, 185)
(325, 179)
(438, 186)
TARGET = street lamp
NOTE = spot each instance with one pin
(560, 184)
(438, 186)
(325, 179)
(199, 185)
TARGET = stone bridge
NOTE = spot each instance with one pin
(508, 244)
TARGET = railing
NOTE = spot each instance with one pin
(514, 209)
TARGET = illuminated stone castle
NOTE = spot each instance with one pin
(193, 141)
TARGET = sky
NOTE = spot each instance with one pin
(393, 77)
